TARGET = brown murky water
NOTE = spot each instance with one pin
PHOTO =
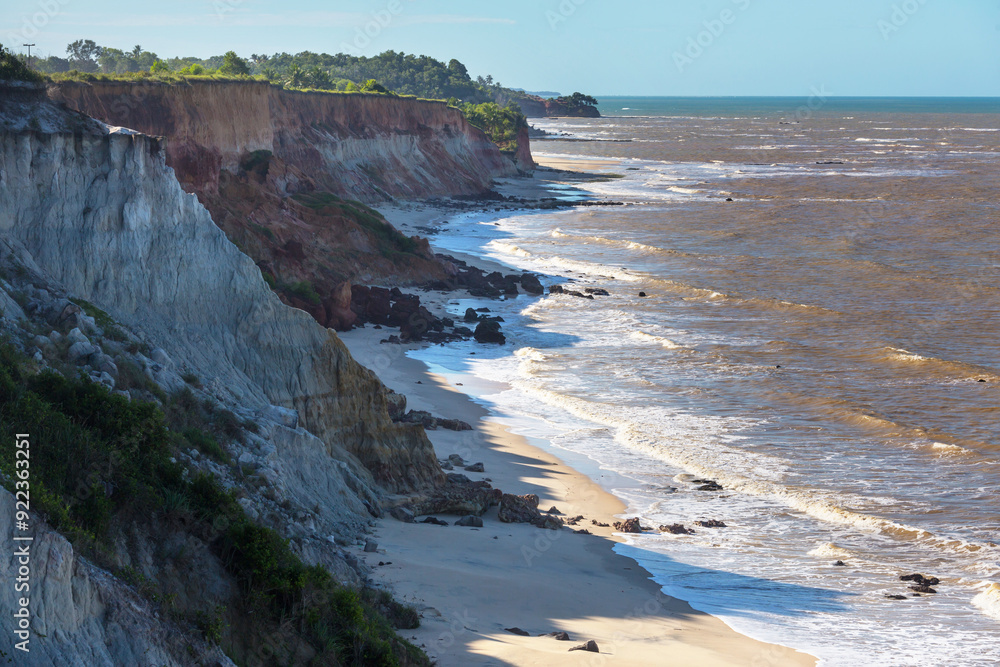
(826, 345)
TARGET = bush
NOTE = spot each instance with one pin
(13, 68)
(303, 290)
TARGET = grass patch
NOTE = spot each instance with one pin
(391, 242)
(303, 290)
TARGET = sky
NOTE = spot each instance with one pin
(600, 47)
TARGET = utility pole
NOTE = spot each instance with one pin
(29, 53)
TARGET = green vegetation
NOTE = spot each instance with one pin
(391, 242)
(233, 65)
(99, 461)
(501, 124)
(13, 68)
(303, 290)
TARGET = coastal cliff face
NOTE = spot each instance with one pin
(102, 214)
(280, 171)
(365, 147)
(87, 617)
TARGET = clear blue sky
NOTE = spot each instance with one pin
(639, 47)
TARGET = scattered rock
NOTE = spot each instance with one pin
(371, 546)
(840, 563)
(75, 335)
(597, 291)
(80, 351)
(454, 424)
(707, 485)
(559, 289)
(895, 597)
(920, 579)
(554, 510)
(475, 467)
(589, 646)
(629, 526)
(435, 521)
(573, 520)
(922, 588)
(457, 478)
(517, 631)
(642, 295)
(518, 509)
(470, 522)
(457, 460)
(676, 529)
(471, 315)
(711, 523)
(531, 284)
(597, 523)
(403, 514)
(488, 331)
(558, 636)
(583, 531)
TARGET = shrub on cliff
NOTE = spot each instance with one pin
(13, 68)
(501, 124)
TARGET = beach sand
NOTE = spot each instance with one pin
(471, 584)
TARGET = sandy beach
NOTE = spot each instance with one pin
(471, 584)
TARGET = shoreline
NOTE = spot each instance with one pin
(470, 584)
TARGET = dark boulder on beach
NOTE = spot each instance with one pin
(518, 509)
(676, 529)
(531, 284)
(597, 291)
(460, 498)
(642, 295)
(434, 521)
(922, 588)
(711, 523)
(559, 289)
(470, 521)
(589, 646)
(558, 636)
(488, 331)
(707, 485)
(517, 631)
(629, 526)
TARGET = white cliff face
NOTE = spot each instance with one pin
(81, 616)
(102, 214)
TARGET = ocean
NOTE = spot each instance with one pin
(820, 336)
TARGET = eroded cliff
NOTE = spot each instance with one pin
(365, 147)
(101, 212)
(95, 213)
